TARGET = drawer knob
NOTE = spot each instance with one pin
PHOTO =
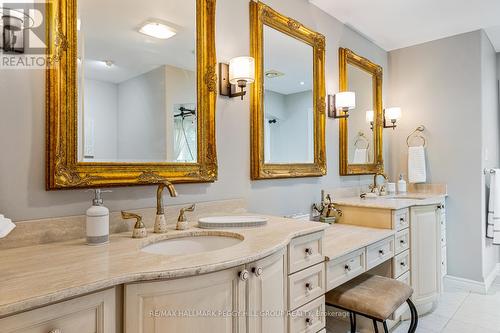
(403, 264)
(244, 275)
(309, 286)
(402, 241)
(347, 268)
(309, 251)
(401, 219)
(257, 271)
(381, 252)
(309, 321)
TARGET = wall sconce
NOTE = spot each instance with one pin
(340, 104)
(392, 114)
(239, 72)
(369, 118)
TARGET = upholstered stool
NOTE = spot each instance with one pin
(374, 297)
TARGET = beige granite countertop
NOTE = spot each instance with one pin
(34, 276)
(385, 202)
(341, 239)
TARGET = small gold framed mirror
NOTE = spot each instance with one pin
(131, 92)
(360, 134)
(288, 97)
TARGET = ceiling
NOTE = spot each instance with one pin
(292, 58)
(109, 30)
(394, 24)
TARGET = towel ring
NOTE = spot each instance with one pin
(417, 133)
(361, 137)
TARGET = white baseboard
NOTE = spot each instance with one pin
(453, 283)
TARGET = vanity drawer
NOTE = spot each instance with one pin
(91, 313)
(401, 263)
(405, 278)
(345, 268)
(308, 319)
(401, 219)
(379, 252)
(305, 251)
(306, 285)
(402, 241)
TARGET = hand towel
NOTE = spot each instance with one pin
(360, 156)
(493, 229)
(416, 165)
(6, 226)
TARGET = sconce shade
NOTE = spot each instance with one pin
(242, 69)
(393, 113)
(345, 100)
(369, 116)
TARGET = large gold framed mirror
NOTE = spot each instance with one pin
(288, 97)
(131, 92)
(361, 133)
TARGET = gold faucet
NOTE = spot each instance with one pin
(375, 185)
(160, 225)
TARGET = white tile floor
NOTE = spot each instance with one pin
(457, 312)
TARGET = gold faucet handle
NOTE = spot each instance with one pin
(138, 219)
(182, 216)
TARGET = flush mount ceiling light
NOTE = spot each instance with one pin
(157, 29)
(272, 73)
(108, 63)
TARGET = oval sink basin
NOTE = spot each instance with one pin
(191, 244)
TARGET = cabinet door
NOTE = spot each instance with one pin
(425, 253)
(267, 295)
(94, 313)
(204, 303)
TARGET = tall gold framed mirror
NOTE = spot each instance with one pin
(288, 97)
(131, 92)
(361, 133)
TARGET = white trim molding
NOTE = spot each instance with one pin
(453, 283)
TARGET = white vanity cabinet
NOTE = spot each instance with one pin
(428, 254)
(215, 302)
(94, 313)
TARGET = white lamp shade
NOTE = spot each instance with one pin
(393, 113)
(241, 69)
(345, 100)
(369, 116)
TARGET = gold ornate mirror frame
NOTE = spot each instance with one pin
(261, 15)
(346, 57)
(63, 168)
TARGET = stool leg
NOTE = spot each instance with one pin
(414, 316)
(375, 326)
(352, 319)
(386, 329)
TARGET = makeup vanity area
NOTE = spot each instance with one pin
(270, 278)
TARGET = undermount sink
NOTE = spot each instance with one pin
(193, 244)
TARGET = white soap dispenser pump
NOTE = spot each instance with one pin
(97, 222)
(401, 185)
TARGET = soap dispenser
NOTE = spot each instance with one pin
(401, 184)
(97, 222)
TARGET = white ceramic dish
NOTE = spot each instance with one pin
(217, 222)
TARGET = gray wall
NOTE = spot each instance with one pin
(439, 84)
(142, 117)
(22, 166)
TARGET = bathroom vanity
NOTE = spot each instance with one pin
(419, 248)
(71, 287)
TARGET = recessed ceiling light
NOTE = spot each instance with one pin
(157, 30)
(302, 83)
(272, 73)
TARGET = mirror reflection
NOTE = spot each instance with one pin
(288, 99)
(137, 81)
(361, 139)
